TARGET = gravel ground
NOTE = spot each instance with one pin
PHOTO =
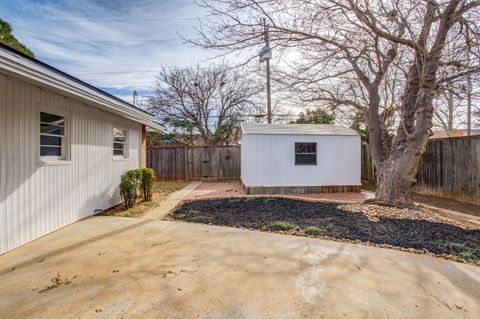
(414, 230)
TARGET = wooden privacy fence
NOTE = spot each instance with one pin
(450, 167)
(368, 168)
(194, 162)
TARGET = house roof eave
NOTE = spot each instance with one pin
(21, 66)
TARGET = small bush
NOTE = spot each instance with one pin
(189, 214)
(313, 231)
(148, 179)
(130, 187)
(200, 219)
(269, 199)
(280, 225)
(461, 250)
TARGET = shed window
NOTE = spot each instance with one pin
(52, 136)
(305, 153)
(119, 143)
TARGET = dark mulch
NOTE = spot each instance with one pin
(438, 237)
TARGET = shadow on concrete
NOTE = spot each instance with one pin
(75, 245)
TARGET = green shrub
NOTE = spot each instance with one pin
(190, 215)
(148, 179)
(280, 225)
(313, 231)
(459, 249)
(130, 182)
(200, 219)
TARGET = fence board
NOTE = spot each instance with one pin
(449, 168)
(200, 163)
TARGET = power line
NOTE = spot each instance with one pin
(102, 20)
(126, 41)
(117, 72)
(123, 64)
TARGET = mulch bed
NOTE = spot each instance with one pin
(412, 230)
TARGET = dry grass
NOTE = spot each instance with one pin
(160, 191)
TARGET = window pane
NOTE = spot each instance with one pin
(119, 146)
(50, 140)
(50, 151)
(305, 148)
(301, 159)
(299, 147)
(118, 135)
(305, 153)
(310, 147)
(119, 140)
(52, 119)
(118, 152)
(51, 129)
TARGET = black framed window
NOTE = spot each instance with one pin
(305, 153)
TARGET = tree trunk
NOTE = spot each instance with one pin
(396, 178)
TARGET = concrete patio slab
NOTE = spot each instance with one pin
(170, 202)
(112, 267)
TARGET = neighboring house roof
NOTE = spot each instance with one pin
(453, 133)
(34, 71)
(173, 140)
(296, 129)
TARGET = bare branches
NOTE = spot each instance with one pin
(366, 17)
(204, 100)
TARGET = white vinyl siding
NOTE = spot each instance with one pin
(37, 198)
(269, 160)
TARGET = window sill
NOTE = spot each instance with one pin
(54, 163)
(120, 159)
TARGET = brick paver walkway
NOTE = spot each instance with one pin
(235, 189)
(217, 189)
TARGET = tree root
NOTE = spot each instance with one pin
(379, 202)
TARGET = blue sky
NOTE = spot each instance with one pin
(118, 46)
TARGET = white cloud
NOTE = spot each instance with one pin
(82, 38)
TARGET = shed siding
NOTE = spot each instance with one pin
(38, 199)
(269, 160)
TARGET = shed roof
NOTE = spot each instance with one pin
(296, 129)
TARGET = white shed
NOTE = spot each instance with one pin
(299, 158)
(63, 146)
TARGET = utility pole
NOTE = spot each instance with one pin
(469, 89)
(450, 113)
(469, 99)
(135, 97)
(266, 55)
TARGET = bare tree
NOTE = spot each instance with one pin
(380, 58)
(449, 112)
(209, 101)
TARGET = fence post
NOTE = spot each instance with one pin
(185, 162)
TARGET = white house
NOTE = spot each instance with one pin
(299, 158)
(63, 146)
